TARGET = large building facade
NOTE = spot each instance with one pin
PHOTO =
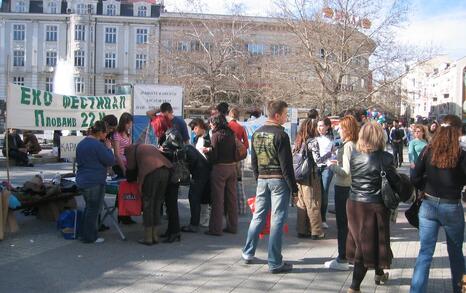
(435, 88)
(111, 42)
(106, 42)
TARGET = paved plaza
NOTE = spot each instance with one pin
(38, 259)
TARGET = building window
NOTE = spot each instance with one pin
(18, 58)
(141, 36)
(110, 85)
(140, 61)
(78, 85)
(51, 59)
(79, 58)
(255, 49)
(81, 8)
(279, 50)
(111, 10)
(19, 32)
(142, 11)
(182, 46)
(49, 84)
(52, 7)
(79, 32)
(19, 80)
(110, 35)
(51, 33)
(446, 96)
(20, 6)
(322, 53)
(110, 60)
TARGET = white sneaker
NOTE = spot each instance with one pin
(99, 240)
(324, 225)
(335, 265)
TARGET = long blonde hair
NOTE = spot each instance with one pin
(370, 138)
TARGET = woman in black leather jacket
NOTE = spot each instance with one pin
(368, 242)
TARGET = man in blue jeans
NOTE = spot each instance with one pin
(272, 165)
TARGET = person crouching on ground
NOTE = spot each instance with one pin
(93, 158)
(272, 164)
(153, 176)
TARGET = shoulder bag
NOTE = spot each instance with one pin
(390, 198)
(240, 150)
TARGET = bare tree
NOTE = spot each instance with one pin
(350, 47)
(207, 55)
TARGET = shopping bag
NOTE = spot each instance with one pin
(266, 230)
(69, 223)
(129, 199)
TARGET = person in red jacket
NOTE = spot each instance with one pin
(239, 130)
(242, 136)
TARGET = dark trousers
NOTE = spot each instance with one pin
(171, 201)
(153, 192)
(223, 192)
(20, 158)
(94, 198)
(397, 153)
(341, 196)
(199, 189)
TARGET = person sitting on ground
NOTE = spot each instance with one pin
(16, 149)
(93, 158)
(31, 142)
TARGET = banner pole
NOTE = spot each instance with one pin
(7, 142)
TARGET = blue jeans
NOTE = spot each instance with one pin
(432, 215)
(326, 178)
(271, 194)
(94, 198)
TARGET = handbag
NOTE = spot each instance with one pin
(412, 214)
(390, 198)
(129, 199)
(180, 174)
(241, 152)
(132, 174)
(302, 166)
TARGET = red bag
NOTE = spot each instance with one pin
(266, 230)
(129, 199)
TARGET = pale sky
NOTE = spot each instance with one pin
(438, 23)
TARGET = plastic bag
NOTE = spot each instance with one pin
(266, 230)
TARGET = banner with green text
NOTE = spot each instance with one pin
(33, 109)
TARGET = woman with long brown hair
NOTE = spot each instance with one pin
(368, 240)
(440, 172)
(309, 221)
(348, 129)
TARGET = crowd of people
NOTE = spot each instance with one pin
(355, 160)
